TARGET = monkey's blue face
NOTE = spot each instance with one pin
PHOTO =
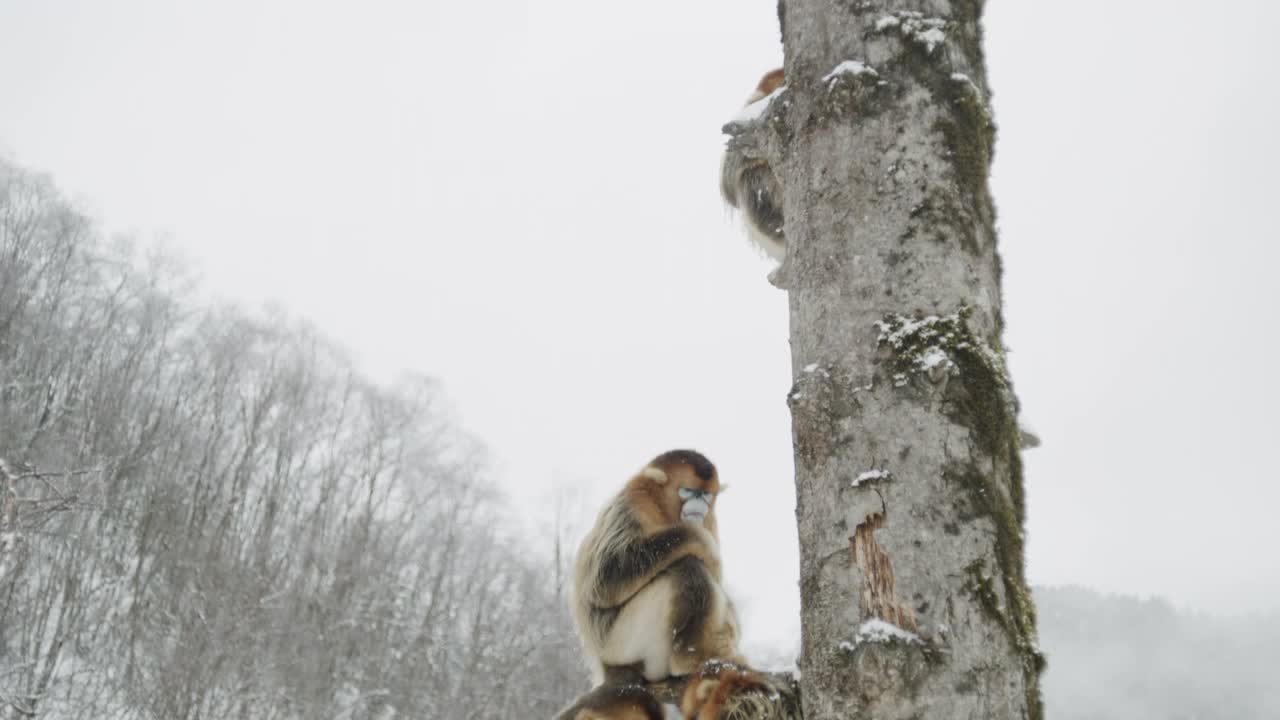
(695, 505)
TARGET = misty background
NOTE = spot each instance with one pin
(518, 201)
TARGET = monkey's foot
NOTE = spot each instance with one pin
(723, 690)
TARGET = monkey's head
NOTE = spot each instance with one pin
(683, 485)
(771, 81)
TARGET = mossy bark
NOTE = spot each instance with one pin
(908, 475)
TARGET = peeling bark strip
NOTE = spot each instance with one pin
(882, 144)
(878, 598)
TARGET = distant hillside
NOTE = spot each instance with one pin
(1121, 657)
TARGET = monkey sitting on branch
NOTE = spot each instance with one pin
(649, 605)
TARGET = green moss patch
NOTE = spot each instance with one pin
(977, 396)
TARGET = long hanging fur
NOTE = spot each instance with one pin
(747, 183)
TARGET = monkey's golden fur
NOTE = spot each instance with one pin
(647, 586)
(647, 597)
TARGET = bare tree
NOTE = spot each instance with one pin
(909, 480)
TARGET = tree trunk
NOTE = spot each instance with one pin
(908, 475)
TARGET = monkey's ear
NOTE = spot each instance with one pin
(657, 475)
(722, 489)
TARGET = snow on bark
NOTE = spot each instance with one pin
(871, 476)
(757, 108)
(849, 67)
(927, 31)
(877, 630)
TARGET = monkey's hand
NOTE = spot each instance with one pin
(711, 557)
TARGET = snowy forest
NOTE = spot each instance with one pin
(208, 512)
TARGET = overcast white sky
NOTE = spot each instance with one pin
(520, 199)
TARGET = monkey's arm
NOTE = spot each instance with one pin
(626, 570)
